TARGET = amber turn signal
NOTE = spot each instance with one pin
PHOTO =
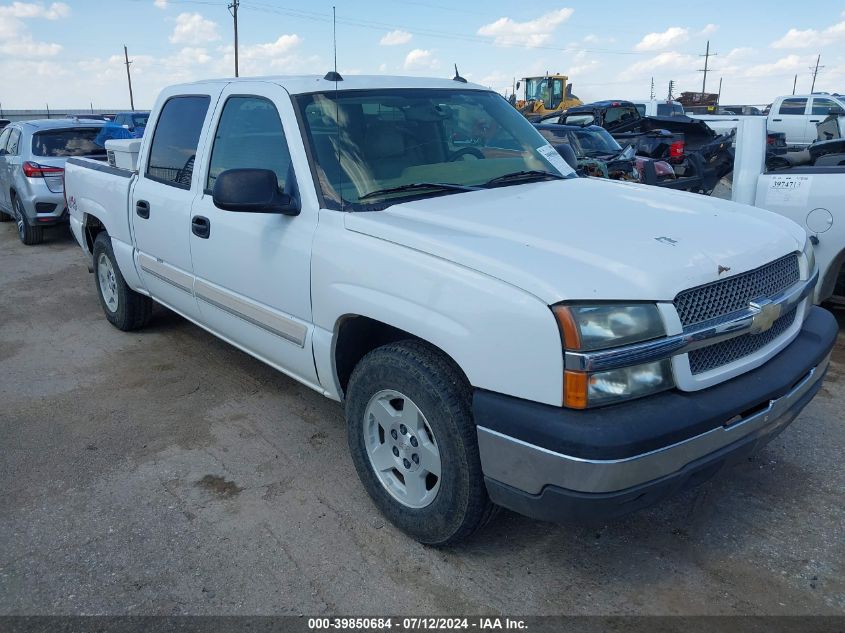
(575, 389)
(568, 327)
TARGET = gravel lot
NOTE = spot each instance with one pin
(165, 472)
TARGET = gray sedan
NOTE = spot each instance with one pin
(32, 161)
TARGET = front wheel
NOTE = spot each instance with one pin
(125, 309)
(414, 444)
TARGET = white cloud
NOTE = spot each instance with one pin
(394, 38)
(27, 47)
(382, 68)
(193, 28)
(26, 10)
(280, 56)
(160, 4)
(507, 32)
(709, 29)
(190, 55)
(420, 59)
(665, 61)
(797, 38)
(789, 63)
(659, 41)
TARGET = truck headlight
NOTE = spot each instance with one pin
(598, 327)
(590, 328)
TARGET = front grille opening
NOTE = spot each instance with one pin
(707, 358)
(720, 298)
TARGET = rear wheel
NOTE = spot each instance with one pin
(29, 235)
(124, 308)
(413, 442)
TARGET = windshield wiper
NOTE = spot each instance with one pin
(442, 186)
(526, 175)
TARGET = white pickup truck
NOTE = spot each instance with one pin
(794, 115)
(499, 331)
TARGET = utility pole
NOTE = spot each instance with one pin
(48, 110)
(707, 55)
(129, 78)
(794, 83)
(815, 72)
(652, 88)
(671, 89)
(719, 96)
(233, 9)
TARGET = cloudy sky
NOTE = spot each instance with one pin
(70, 54)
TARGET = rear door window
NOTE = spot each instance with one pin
(67, 142)
(13, 148)
(4, 138)
(793, 106)
(175, 141)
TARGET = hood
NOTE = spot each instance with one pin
(588, 239)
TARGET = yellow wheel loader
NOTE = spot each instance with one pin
(545, 95)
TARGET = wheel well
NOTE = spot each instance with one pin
(93, 227)
(358, 335)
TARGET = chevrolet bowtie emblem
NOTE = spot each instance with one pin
(766, 315)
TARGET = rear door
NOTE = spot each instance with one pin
(820, 109)
(253, 269)
(791, 119)
(4, 172)
(160, 203)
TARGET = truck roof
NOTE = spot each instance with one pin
(301, 84)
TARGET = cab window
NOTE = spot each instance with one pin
(826, 106)
(249, 135)
(793, 106)
(175, 140)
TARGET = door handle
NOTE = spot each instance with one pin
(814, 120)
(142, 208)
(777, 119)
(200, 226)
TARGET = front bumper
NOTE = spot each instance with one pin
(560, 464)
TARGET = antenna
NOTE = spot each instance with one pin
(652, 88)
(457, 76)
(333, 75)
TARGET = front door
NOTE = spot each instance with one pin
(5, 179)
(161, 202)
(253, 269)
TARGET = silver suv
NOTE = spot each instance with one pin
(32, 161)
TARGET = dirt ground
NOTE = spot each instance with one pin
(165, 472)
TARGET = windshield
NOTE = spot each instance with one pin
(367, 141)
(67, 142)
(589, 141)
(140, 120)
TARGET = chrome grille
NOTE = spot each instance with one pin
(707, 358)
(729, 295)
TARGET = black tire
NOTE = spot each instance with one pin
(441, 392)
(28, 234)
(133, 310)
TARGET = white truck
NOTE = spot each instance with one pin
(811, 195)
(499, 331)
(796, 116)
(658, 107)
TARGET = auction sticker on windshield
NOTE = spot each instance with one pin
(789, 190)
(550, 154)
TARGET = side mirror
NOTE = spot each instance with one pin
(628, 152)
(252, 191)
(518, 84)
